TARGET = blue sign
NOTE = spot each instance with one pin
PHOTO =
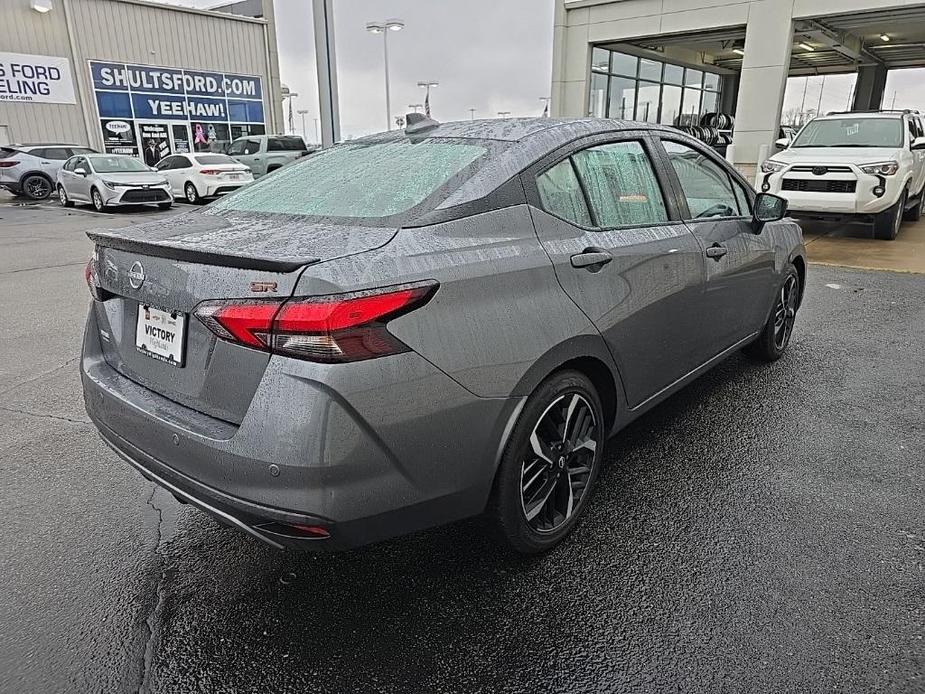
(171, 94)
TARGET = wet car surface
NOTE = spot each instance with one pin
(760, 531)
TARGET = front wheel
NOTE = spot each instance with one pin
(774, 338)
(550, 464)
(887, 223)
(97, 201)
(63, 199)
(192, 195)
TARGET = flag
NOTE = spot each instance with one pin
(427, 104)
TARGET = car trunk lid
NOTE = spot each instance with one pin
(177, 263)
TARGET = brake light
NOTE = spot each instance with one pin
(90, 278)
(335, 328)
(210, 172)
(8, 164)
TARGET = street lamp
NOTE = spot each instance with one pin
(384, 28)
(426, 85)
(302, 112)
(471, 114)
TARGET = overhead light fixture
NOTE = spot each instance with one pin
(41, 6)
(805, 46)
(739, 51)
(885, 37)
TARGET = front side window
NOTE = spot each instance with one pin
(251, 147)
(359, 179)
(851, 132)
(165, 164)
(621, 185)
(560, 193)
(705, 184)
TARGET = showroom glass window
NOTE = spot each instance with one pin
(632, 88)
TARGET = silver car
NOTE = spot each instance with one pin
(30, 171)
(109, 180)
(420, 326)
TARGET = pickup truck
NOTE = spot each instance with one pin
(264, 154)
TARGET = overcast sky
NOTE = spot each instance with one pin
(490, 55)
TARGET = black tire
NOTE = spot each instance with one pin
(36, 187)
(63, 198)
(273, 168)
(887, 223)
(97, 200)
(914, 214)
(191, 194)
(560, 406)
(164, 205)
(775, 337)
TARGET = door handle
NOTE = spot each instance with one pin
(591, 258)
(716, 251)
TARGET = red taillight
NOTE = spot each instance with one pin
(90, 277)
(337, 328)
(8, 164)
(210, 172)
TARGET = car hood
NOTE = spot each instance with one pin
(140, 178)
(274, 242)
(840, 155)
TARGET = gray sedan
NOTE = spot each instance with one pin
(420, 326)
(109, 180)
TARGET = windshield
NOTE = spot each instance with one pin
(359, 180)
(117, 164)
(212, 159)
(852, 132)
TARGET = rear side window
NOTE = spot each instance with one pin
(621, 185)
(359, 180)
(81, 150)
(560, 193)
(285, 144)
(55, 153)
(705, 184)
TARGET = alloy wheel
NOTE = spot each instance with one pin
(557, 466)
(192, 195)
(37, 188)
(62, 196)
(97, 201)
(785, 312)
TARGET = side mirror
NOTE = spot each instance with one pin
(782, 143)
(80, 171)
(918, 143)
(768, 208)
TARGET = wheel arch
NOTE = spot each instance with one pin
(799, 262)
(37, 172)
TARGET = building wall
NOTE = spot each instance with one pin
(579, 24)
(131, 31)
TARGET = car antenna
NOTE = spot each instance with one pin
(418, 122)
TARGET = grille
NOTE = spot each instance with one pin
(804, 185)
(820, 170)
(141, 195)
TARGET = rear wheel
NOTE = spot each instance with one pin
(97, 201)
(62, 197)
(36, 187)
(773, 340)
(550, 464)
(192, 195)
(887, 223)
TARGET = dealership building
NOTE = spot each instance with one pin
(677, 61)
(118, 74)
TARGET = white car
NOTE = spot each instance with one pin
(862, 166)
(109, 180)
(197, 177)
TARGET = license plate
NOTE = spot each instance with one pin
(160, 334)
(235, 177)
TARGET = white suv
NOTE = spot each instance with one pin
(869, 166)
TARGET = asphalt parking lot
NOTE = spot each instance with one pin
(761, 531)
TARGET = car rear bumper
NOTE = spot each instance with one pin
(223, 188)
(405, 450)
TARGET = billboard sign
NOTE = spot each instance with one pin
(42, 79)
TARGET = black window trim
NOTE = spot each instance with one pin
(560, 154)
(733, 175)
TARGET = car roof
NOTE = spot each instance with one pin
(865, 114)
(26, 146)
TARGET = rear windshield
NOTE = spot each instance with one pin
(6, 152)
(361, 180)
(852, 132)
(283, 144)
(117, 164)
(214, 159)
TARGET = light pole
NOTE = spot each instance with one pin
(426, 85)
(302, 112)
(384, 28)
(415, 107)
(290, 95)
(471, 114)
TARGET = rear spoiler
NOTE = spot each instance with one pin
(194, 255)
